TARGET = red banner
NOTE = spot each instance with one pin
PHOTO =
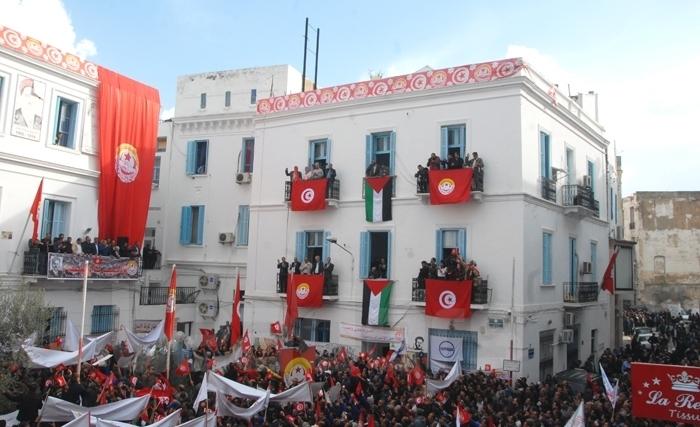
(448, 298)
(128, 129)
(294, 366)
(450, 185)
(169, 326)
(308, 290)
(666, 392)
(309, 195)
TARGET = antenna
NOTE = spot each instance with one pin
(306, 50)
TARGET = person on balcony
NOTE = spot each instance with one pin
(373, 169)
(477, 163)
(374, 273)
(317, 172)
(330, 175)
(328, 267)
(421, 179)
(283, 267)
(472, 271)
(433, 162)
(294, 175)
(308, 173)
(305, 267)
(295, 266)
(455, 161)
(317, 265)
(78, 246)
(423, 273)
(150, 256)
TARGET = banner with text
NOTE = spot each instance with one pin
(72, 266)
(666, 392)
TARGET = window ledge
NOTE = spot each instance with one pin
(191, 245)
(547, 285)
(64, 149)
(198, 175)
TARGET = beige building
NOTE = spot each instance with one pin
(666, 227)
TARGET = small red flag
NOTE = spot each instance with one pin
(34, 210)
(416, 376)
(309, 195)
(246, 342)
(235, 315)
(170, 307)
(342, 355)
(209, 339)
(276, 328)
(608, 283)
(183, 369)
(370, 420)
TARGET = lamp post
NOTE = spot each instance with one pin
(346, 248)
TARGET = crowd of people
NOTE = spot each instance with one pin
(316, 171)
(453, 267)
(368, 387)
(453, 161)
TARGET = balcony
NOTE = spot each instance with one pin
(330, 288)
(481, 293)
(332, 192)
(34, 263)
(581, 292)
(71, 266)
(578, 200)
(549, 189)
(159, 295)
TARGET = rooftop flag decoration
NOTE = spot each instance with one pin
(415, 82)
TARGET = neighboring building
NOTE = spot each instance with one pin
(48, 129)
(539, 231)
(199, 212)
(666, 229)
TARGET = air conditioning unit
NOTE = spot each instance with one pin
(208, 309)
(587, 181)
(226, 237)
(569, 319)
(243, 177)
(567, 336)
(209, 281)
(586, 268)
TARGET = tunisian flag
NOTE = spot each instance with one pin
(308, 289)
(34, 211)
(170, 307)
(608, 283)
(448, 298)
(235, 315)
(450, 185)
(128, 128)
(309, 195)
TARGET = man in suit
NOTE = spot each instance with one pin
(317, 266)
(283, 267)
(478, 179)
(295, 266)
(372, 169)
(328, 267)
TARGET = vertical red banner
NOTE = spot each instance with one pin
(128, 129)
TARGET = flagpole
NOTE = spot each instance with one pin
(170, 333)
(82, 319)
(19, 243)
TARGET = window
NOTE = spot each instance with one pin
(243, 225)
(192, 225)
(162, 144)
(545, 161)
(197, 156)
(590, 170)
(594, 260)
(227, 98)
(381, 148)
(570, 171)
(149, 237)
(203, 101)
(319, 152)
(56, 325)
(546, 258)
(253, 96)
(55, 218)
(316, 330)
(375, 251)
(247, 154)
(66, 116)
(312, 243)
(185, 328)
(156, 171)
(447, 240)
(453, 140)
(104, 319)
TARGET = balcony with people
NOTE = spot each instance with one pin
(453, 267)
(286, 271)
(453, 161)
(580, 293)
(579, 200)
(311, 176)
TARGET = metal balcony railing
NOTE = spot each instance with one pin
(578, 195)
(35, 263)
(580, 292)
(549, 189)
(159, 295)
(330, 287)
(332, 191)
(481, 293)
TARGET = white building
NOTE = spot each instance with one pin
(48, 129)
(539, 232)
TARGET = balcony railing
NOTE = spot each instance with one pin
(159, 295)
(330, 287)
(332, 191)
(71, 266)
(578, 195)
(481, 293)
(549, 189)
(580, 292)
(35, 263)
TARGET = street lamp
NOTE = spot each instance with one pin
(346, 248)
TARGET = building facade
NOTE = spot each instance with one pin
(666, 229)
(539, 231)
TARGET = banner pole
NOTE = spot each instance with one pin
(19, 243)
(170, 333)
(82, 320)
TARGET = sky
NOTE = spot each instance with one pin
(642, 57)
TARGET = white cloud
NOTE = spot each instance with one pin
(167, 113)
(46, 20)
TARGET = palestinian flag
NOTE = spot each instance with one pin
(375, 302)
(378, 198)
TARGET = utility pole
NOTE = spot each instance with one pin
(318, 35)
(306, 40)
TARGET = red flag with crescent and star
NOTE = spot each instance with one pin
(170, 307)
(235, 315)
(449, 186)
(128, 131)
(448, 298)
(309, 195)
(608, 283)
(308, 289)
(34, 210)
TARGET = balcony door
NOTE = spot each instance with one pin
(573, 261)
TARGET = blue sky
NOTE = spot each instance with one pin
(641, 56)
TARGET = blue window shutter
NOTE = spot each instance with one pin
(392, 154)
(462, 242)
(200, 226)
(189, 161)
(185, 224)
(438, 245)
(45, 225)
(328, 151)
(444, 138)
(57, 117)
(388, 254)
(300, 250)
(546, 258)
(326, 246)
(312, 146)
(542, 161)
(206, 156)
(59, 218)
(368, 150)
(243, 225)
(591, 173)
(364, 254)
(463, 140)
(71, 130)
(594, 258)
